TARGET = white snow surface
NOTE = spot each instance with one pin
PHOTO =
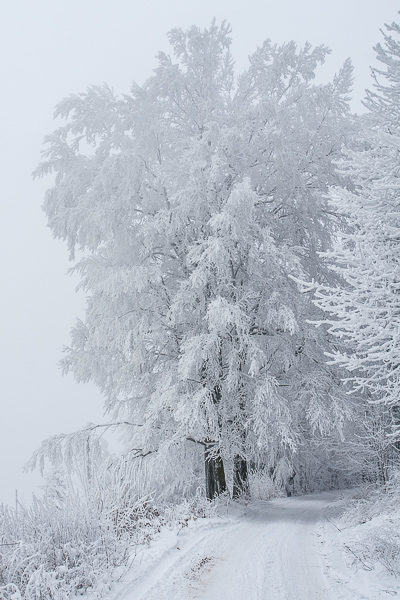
(284, 549)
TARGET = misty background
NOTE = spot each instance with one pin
(49, 49)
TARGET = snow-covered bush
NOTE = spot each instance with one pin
(382, 546)
(49, 552)
(192, 508)
(373, 513)
(82, 536)
(370, 501)
(262, 486)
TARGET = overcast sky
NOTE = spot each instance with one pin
(49, 49)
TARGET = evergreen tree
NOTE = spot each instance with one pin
(365, 309)
(191, 202)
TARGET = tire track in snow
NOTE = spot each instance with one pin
(271, 553)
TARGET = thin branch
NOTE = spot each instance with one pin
(189, 439)
(93, 427)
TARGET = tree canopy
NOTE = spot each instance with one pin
(363, 311)
(193, 202)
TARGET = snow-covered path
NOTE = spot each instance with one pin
(272, 552)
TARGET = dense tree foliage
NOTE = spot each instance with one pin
(192, 201)
(365, 308)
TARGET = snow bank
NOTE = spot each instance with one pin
(361, 541)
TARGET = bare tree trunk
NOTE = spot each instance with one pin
(240, 476)
(215, 473)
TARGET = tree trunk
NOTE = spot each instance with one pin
(240, 477)
(215, 473)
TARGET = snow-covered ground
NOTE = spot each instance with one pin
(285, 549)
(347, 547)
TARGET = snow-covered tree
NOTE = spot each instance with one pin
(365, 308)
(191, 201)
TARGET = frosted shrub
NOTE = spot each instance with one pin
(192, 508)
(370, 501)
(138, 520)
(50, 552)
(73, 543)
(381, 546)
(262, 487)
(384, 547)
(360, 507)
(378, 509)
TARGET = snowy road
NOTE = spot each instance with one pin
(272, 552)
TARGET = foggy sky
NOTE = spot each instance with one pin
(49, 49)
